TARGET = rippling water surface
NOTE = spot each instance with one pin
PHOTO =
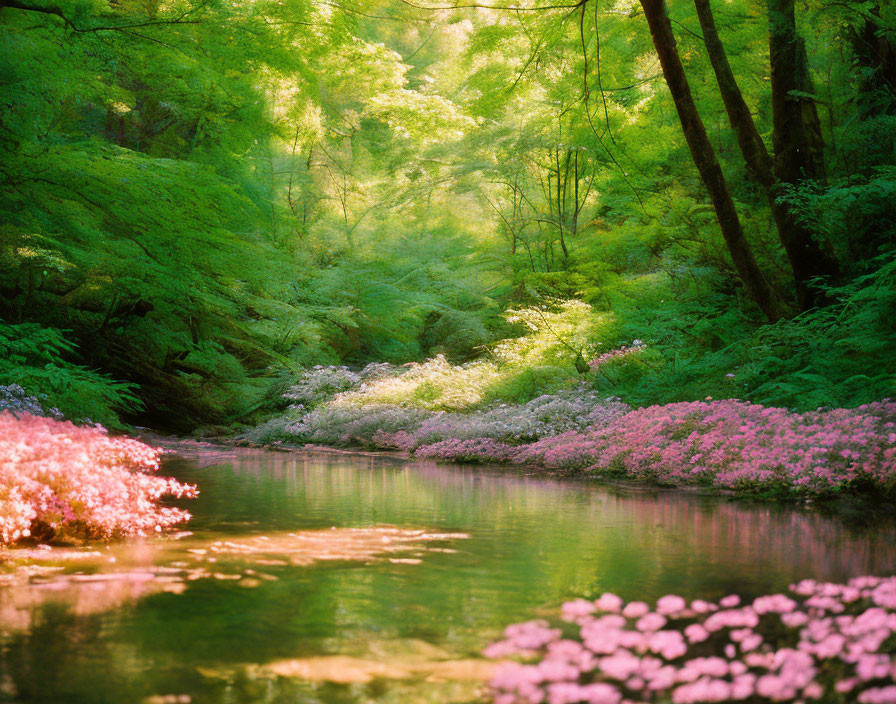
(358, 579)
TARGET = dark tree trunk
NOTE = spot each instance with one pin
(875, 53)
(753, 148)
(797, 132)
(798, 148)
(705, 158)
(807, 259)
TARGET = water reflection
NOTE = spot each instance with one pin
(533, 543)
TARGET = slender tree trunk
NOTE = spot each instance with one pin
(807, 259)
(560, 201)
(574, 228)
(799, 149)
(753, 148)
(705, 158)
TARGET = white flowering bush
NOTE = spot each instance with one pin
(348, 425)
(391, 426)
(16, 400)
(545, 416)
(338, 425)
(321, 383)
(435, 384)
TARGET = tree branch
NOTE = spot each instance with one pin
(57, 11)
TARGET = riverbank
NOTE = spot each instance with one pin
(722, 445)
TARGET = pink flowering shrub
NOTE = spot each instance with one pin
(60, 479)
(823, 641)
(735, 445)
(727, 444)
(475, 450)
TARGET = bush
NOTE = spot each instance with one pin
(736, 445)
(320, 384)
(59, 480)
(338, 425)
(545, 416)
(15, 399)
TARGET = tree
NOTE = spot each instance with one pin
(705, 159)
(796, 156)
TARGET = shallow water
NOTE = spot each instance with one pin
(276, 596)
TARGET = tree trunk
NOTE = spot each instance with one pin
(875, 53)
(807, 259)
(705, 158)
(799, 149)
(753, 148)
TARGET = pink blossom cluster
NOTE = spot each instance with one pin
(823, 641)
(619, 353)
(474, 450)
(729, 444)
(60, 479)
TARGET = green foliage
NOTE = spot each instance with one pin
(209, 198)
(36, 358)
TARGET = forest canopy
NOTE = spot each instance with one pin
(203, 198)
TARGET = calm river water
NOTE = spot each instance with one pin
(319, 578)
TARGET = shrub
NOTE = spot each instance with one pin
(345, 425)
(15, 399)
(473, 450)
(57, 479)
(320, 384)
(432, 385)
(736, 445)
(545, 416)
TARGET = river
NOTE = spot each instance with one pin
(343, 578)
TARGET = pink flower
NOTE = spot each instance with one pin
(609, 602)
(57, 478)
(670, 604)
(695, 633)
(635, 609)
(573, 610)
(620, 666)
(879, 695)
(650, 622)
(828, 652)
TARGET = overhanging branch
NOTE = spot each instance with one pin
(56, 11)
